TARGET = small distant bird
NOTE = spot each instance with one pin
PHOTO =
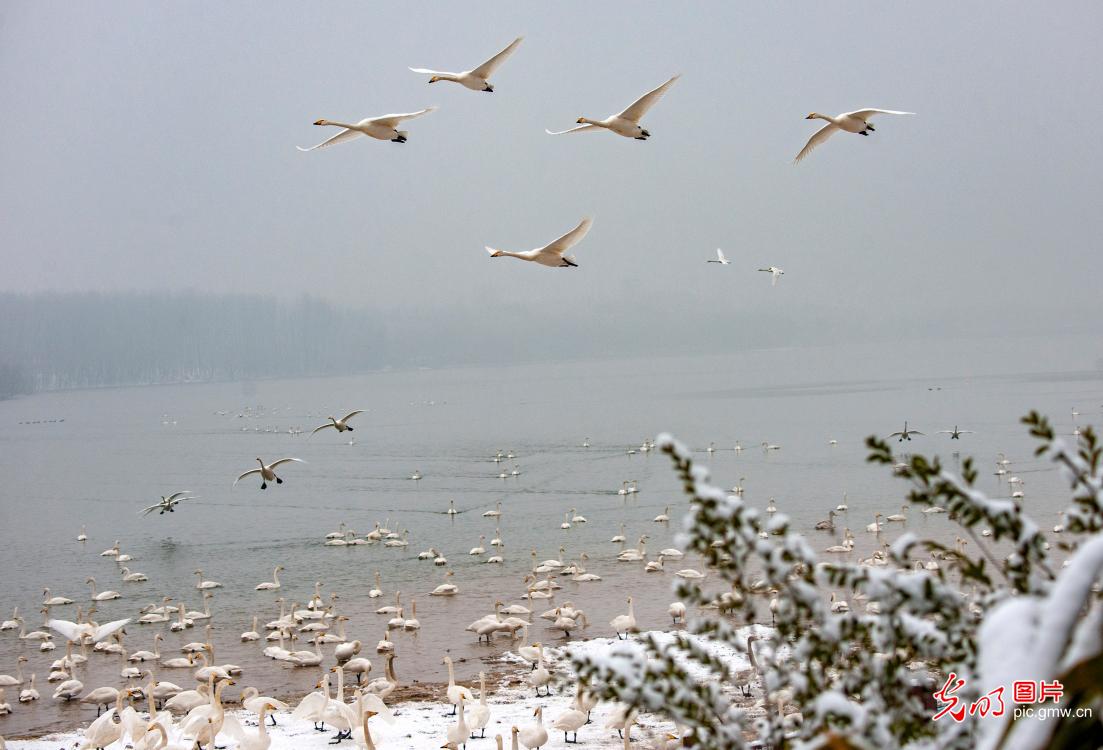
(267, 473)
(168, 504)
(475, 79)
(720, 258)
(852, 122)
(627, 122)
(905, 434)
(381, 128)
(774, 272)
(551, 254)
(341, 425)
(955, 434)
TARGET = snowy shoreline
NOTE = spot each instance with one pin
(419, 721)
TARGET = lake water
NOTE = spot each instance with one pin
(119, 449)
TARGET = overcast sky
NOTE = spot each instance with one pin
(152, 146)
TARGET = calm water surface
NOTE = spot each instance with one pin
(119, 449)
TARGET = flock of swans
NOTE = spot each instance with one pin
(626, 123)
(310, 633)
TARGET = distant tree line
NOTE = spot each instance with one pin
(76, 340)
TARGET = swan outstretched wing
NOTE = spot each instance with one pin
(916, 432)
(103, 631)
(175, 495)
(150, 509)
(638, 108)
(572, 130)
(351, 414)
(391, 121)
(274, 464)
(896, 434)
(232, 727)
(428, 72)
(720, 256)
(817, 138)
(571, 238)
(70, 630)
(347, 134)
(246, 474)
(373, 702)
(865, 114)
(487, 68)
(319, 429)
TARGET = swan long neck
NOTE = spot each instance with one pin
(338, 124)
(389, 668)
(588, 121)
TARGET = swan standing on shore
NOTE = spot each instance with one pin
(382, 128)
(852, 122)
(626, 122)
(625, 623)
(267, 472)
(552, 254)
(476, 79)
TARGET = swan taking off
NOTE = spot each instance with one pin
(720, 258)
(381, 128)
(267, 473)
(852, 122)
(905, 434)
(775, 274)
(955, 434)
(627, 122)
(168, 504)
(475, 79)
(341, 425)
(551, 254)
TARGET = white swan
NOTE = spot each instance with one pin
(251, 635)
(720, 258)
(476, 79)
(267, 472)
(168, 503)
(625, 623)
(377, 592)
(13, 623)
(382, 128)
(205, 585)
(774, 272)
(534, 735)
(78, 633)
(852, 122)
(626, 122)
(270, 585)
(552, 254)
(677, 612)
(455, 693)
(341, 425)
(129, 577)
(52, 601)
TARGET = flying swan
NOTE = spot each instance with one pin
(382, 128)
(852, 122)
(267, 473)
(477, 78)
(551, 254)
(627, 122)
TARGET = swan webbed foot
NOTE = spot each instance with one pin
(264, 485)
(862, 132)
(349, 429)
(279, 481)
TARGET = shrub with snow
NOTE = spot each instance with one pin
(866, 677)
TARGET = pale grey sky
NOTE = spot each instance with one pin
(152, 146)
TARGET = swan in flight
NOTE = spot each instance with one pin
(341, 425)
(168, 504)
(775, 273)
(720, 258)
(905, 434)
(552, 254)
(852, 122)
(475, 79)
(267, 473)
(955, 434)
(627, 122)
(381, 128)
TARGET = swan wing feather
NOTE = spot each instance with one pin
(638, 108)
(351, 414)
(571, 238)
(817, 138)
(390, 121)
(274, 464)
(246, 474)
(487, 69)
(347, 134)
(865, 114)
(572, 130)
